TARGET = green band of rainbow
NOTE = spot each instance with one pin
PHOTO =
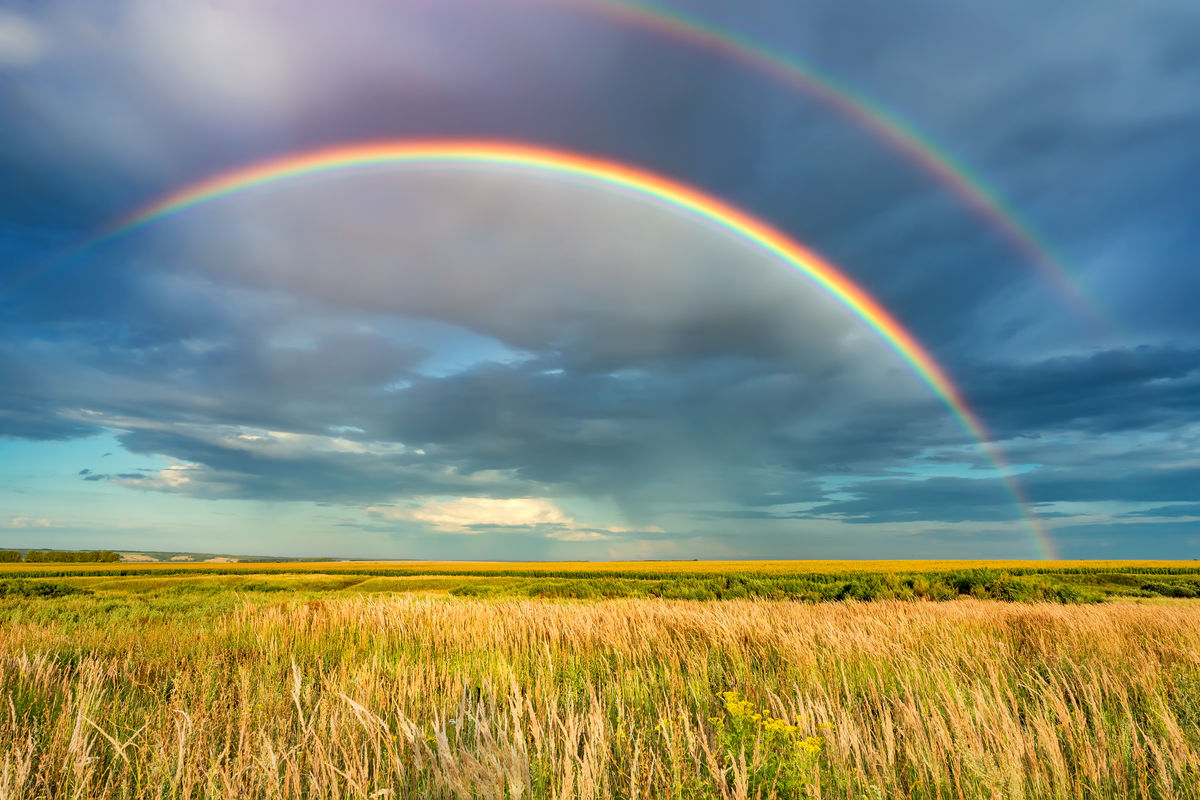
(636, 181)
(934, 160)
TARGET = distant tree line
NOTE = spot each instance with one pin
(59, 556)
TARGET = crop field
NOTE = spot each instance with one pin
(813, 581)
(781, 679)
(615, 568)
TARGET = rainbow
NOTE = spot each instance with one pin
(934, 160)
(629, 179)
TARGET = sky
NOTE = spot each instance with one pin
(448, 360)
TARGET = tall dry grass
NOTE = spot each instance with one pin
(413, 697)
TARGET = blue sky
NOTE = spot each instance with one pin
(469, 363)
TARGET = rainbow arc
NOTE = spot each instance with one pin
(635, 181)
(934, 160)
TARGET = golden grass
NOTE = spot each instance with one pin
(405, 696)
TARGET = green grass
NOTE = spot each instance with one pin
(1011, 585)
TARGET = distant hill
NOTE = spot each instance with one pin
(168, 556)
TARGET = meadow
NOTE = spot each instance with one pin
(381, 680)
(812, 581)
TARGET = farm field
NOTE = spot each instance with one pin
(696, 567)
(814, 581)
(320, 682)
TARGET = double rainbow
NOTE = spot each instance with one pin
(934, 160)
(634, 181)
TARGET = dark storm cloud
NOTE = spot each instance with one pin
(285, 81)
(1146, 387)
(184, 350)
(695, 387)
(1088, 133)
(662, 436)
(216, 470)
(980, 499)
(1144, 485)
(663, 370)
(932, 499)
(539, 264)
(35, 419)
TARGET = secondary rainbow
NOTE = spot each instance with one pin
(635, 181)
(933, 159)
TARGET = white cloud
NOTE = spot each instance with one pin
(463, 514)
(576, 535)
(280, 445)
(643, 529)
(476, 514)
(21, 42)
(24, 521)
(228, 56)
(174, 478)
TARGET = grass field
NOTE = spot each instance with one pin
(398, 680)
(812, 581)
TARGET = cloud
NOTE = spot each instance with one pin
(608, 349)
(1138, 388)
(176, 478)
(1164, 512)
(395, 335)
(21, 40)
(931, 499)
(25, 521)
(170, 478)
(576, 535)
(531, 261)
(473, 514)
(476, 515)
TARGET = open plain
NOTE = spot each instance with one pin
(466, 680)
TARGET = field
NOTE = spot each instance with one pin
(627, 567)
(496, 680)
(812, 581)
